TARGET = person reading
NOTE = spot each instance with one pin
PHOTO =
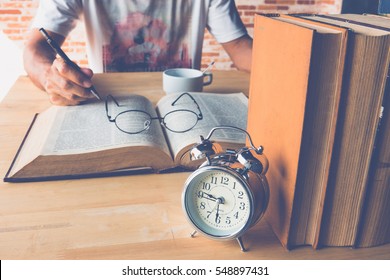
(126, 36)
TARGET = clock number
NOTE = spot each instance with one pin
(206, 186)
(242, 206)
(240, 195)
(200, 194)
(213, 180)
(202, 205)
(225, 180)
(236, 215)
(218, 219)
(228, 221)
(209, 213)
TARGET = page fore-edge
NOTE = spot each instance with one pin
(10, 179)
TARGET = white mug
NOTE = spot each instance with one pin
(185, 79)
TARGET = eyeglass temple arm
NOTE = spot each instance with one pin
(257, 150)
(193, 99)
(116, 103)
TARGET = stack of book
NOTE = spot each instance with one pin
(319, 104)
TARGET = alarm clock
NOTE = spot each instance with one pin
(228, 193)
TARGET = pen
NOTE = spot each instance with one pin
(208, 67)
(53, 44)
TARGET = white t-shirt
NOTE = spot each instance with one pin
(143, 35)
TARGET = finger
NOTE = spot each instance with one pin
(81, 78)
(88, 72)
(59, 97)
(61, 85)
(59, 100)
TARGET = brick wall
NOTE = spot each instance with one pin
(247, 8)
(15, 17)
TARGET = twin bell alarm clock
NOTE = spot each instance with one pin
(229, 192)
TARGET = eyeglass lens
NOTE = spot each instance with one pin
(136, 121)
(133, 121)
(180, 120)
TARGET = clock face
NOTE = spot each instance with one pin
(217, 203)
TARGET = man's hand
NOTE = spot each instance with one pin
(65, 85)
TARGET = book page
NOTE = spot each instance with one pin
(217, 109)
(86, 128)
(34, 140)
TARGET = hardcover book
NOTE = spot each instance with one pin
(80, 141)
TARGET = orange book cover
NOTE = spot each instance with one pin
(279, 76)
(334, 93)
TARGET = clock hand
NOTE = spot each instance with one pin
(217, 212)
(209, 197)
(220, 200)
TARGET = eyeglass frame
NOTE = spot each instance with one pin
(161, 119)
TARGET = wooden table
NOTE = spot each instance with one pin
(129, 217)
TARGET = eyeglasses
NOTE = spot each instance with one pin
(136, 121)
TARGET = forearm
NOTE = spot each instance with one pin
(38, 59)
(240, 52)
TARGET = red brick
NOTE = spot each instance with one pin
(251, 13)
(10, 12)
(26, 18)
(287, 2)
(5, 19)
(283, 8)
(11, 31)
(266, 8)
(330, 2)
(306, 2)
(19, 25)
(16, 38)
(245, 7)
(76, 43)
(210, 54)
(11, 4)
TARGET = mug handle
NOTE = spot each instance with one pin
(209, 79)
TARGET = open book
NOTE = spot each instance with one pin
(80, 141)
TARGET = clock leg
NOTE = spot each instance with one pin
(193, 233)
(239, 240)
